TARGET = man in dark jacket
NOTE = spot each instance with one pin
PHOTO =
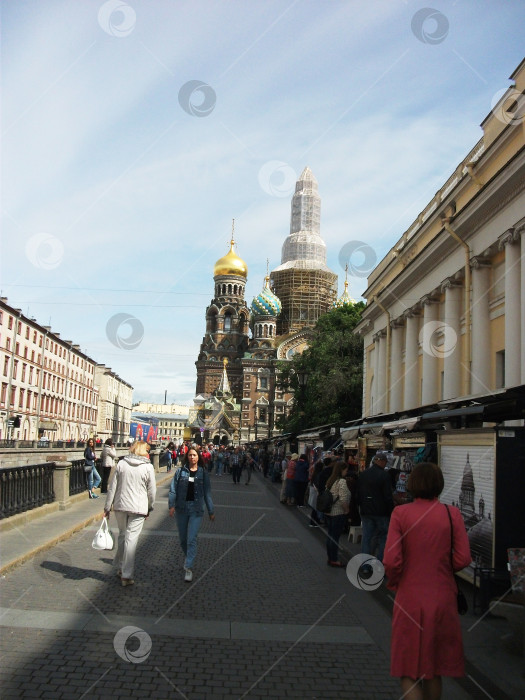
(374, 496)
(300, 480)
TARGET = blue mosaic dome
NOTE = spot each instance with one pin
(266, 303)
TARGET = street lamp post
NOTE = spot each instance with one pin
(302, 380)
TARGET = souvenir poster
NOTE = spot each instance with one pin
(468, 471)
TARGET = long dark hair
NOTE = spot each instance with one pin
(336, 474)
(200, 461)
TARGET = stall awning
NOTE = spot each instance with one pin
(309, 436)
(349, 434)
(47, 425)
(402, 424)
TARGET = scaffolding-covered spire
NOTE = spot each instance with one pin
(304, 248)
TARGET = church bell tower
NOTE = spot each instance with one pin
(227, 326)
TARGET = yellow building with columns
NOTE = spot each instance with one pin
(445, 307)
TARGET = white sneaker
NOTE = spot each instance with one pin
(188, 575)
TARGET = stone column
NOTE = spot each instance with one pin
(452, 338)
(396, 365)
(380, 372)
(411, 389)
(513, 320)
(521, 233)
(480, 379)
(154, 456)
(61, 474)
(431, 325)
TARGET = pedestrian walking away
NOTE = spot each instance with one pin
(248, 466)
(92, 476)
(131, 493)
(374, 496)
(107, 462)
(338, 514)
(190, 490)
(425, 545)
(300, 480)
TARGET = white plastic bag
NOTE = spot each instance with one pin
(103, 538)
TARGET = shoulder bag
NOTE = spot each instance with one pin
(462, 601)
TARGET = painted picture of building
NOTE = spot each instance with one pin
(469, 485)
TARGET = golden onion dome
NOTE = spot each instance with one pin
(231, 264)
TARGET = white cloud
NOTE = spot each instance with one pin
(99, 154)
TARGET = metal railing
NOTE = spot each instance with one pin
(77, 477)
(25, 488)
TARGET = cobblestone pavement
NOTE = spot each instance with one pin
(263, 618)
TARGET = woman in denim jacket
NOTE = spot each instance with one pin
(92, 476)
(189, 491)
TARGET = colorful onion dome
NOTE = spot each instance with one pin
(266, 303)
(231, 264)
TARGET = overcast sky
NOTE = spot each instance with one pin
(133, 133)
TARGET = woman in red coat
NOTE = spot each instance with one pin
(426, 633)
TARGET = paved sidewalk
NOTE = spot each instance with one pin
(24, 541)
(264, 617)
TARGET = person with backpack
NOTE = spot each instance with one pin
(190, 490)
(337, 516)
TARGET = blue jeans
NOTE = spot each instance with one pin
(93, 479)
(374, 526)
(336, 525)
(189, 524)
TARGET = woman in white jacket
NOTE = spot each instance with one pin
(107, 457)
(131, 492)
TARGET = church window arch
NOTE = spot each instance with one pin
(229, 289)
(224, 289)
(227, 322)
(235, 289)
(211, 320)
(265, 330)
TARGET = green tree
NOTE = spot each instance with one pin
(333, 363)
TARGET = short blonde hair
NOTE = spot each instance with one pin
(139, 448)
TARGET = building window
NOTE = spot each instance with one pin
(3, 395)
(10, 323)
(227, 322)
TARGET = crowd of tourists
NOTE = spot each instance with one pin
(420, 541)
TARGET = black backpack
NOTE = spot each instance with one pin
(325, 501)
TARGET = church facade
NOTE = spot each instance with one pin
(243, 346)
